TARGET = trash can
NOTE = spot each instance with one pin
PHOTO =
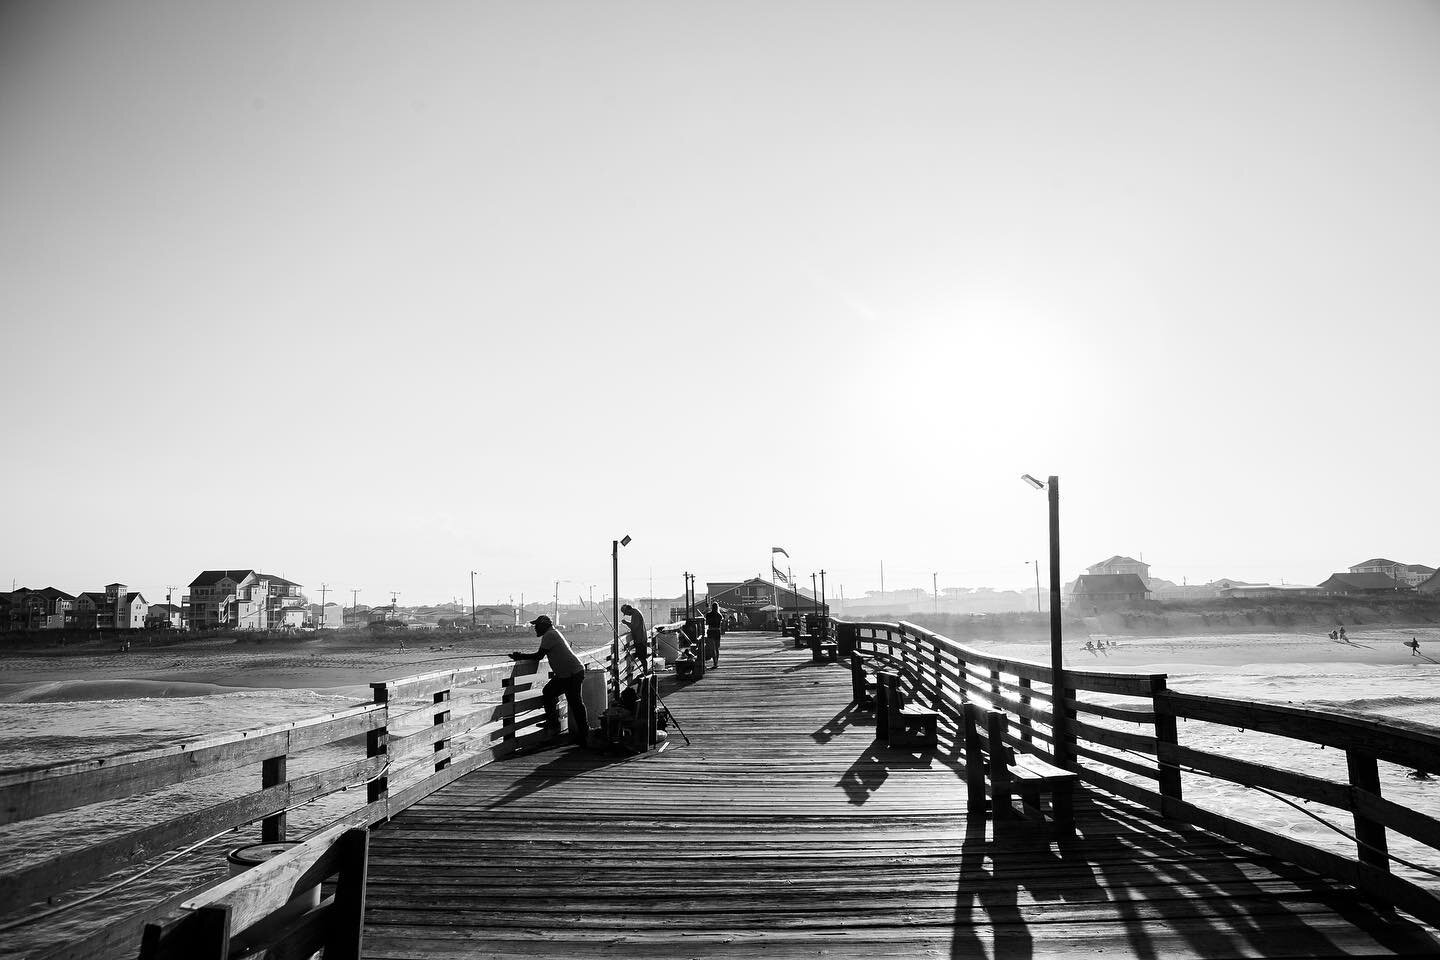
(243, 858)
(667, 646)
(593, 693)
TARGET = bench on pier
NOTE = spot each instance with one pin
(822, 650)
(271, 908)
(988, 756)
(863, 687)
(898, 722)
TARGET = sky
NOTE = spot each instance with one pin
(373, 295)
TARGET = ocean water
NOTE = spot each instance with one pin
(1348, 678)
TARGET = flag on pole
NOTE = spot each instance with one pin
(779, 574)
(775, 550)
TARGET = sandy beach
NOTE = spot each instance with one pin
(343, 665)
(346, 664)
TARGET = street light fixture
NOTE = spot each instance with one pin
(1062, 747)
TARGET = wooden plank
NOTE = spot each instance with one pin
(42, 790)
(1394, 741)
(67, 870)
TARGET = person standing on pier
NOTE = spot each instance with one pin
(567, 676)
(638, 638)
(714, 627)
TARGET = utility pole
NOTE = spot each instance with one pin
(935, 589)
(324, 589)
(394, 595)
(169, 607)
(556, 618)
(823, 605)
(472, 599)
(814, 594)
(355, 603)
(882, 579)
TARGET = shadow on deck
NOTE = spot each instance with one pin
(783, 830)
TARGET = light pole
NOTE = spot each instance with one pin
(823, 605)
(1063, 748)
(1036, 563)
(615, 546)
(935, 589)
(472, 599)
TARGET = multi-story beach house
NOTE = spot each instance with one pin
(43, 609)
(1345, 584)
(1097, 591)
(114, 608)
(243, 600)
(1119, 566)
(1409, 575)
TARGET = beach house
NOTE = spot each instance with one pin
(1098, 591)
(244, 600)
(45, 609)
(1119, 566)
(1406, 574)
(1347, 584)
(114, 608)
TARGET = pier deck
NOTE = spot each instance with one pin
(783, 831)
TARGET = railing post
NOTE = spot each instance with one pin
(1026, 731)
(974, 761)
(1167, 738)
(442, 716)
(272, 774)
(1372, 848)
(507, 712)
(377, 744)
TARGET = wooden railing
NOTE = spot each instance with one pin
(1146, 766)
(417, 735)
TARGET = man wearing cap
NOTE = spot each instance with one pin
(567, 675)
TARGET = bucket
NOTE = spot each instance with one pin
(243, 858)
(593, 693)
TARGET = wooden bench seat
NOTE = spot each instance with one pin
(898, 723)
(863, 686)
(822, 650)
(991, 760)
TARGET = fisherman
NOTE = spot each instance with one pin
(714, 627)
(638, 638)
(567, 676)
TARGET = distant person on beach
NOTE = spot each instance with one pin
(1342, 635)
(714, 627)
(638, 639)
(1414, 646)
(1334, 635)
(567, 676)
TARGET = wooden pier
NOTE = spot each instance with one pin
(783, 830)
(791, 824)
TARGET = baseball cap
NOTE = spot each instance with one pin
(543, 618)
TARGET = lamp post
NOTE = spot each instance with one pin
(1063, 747)
(472, 599)
(1036, 563)
(615, 546)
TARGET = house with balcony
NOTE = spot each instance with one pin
(1408, 575)
(45, 609)
(114, 608)
(164, 616)
(243, 600)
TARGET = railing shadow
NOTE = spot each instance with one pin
(1162, 885)
(851, 716)
(570, 763)
(869, 771)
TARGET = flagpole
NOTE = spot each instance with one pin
(774, 591)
